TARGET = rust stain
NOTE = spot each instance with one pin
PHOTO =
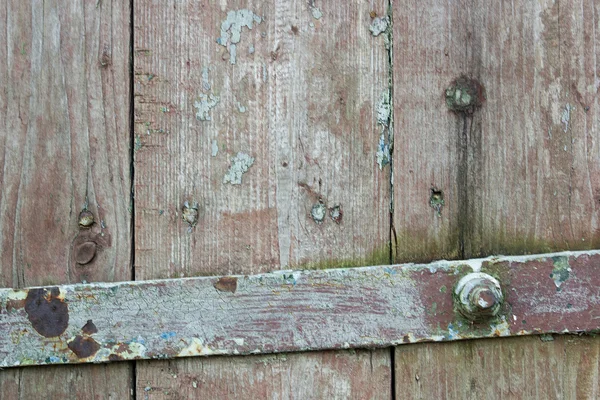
(226, 284)
(89, 328)
(115, 357)
(47, 312)
(83, 347)
(13, 305)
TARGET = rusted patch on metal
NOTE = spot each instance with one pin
(227, 284)
(47, 312)
(89, 328)
(83, 347)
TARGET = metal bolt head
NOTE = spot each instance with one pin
(190, 213)
(86, 218)
(85, 252)
(478, 296)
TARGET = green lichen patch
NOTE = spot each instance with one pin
(561, 271)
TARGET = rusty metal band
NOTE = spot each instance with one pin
(296, 310)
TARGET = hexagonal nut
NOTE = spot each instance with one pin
(478, 296)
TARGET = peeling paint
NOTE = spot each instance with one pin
(205, 83)
(384, 112)
(400, 304)
(383, 152)
(315, 12)
(204, 105)
(318, 212)
(17, 294)
(565, 118)
(239, 165)
(137, 145)
(384, 109)
(241, 108)
(231, 29)
(379, 25)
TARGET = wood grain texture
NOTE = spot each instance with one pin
(300, 101)
(64, 134)
(521, 174)
(361, 374)
(508, 368)
(109, 381)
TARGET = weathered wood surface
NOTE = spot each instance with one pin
(560, 367)
(293, 310)
(298, 102)
(521, 174)
(348, 374)
(64, 134)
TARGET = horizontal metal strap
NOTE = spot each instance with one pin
(301, 310)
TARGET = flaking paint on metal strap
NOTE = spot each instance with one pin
(293, 310)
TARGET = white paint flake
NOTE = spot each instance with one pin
(384, 112)
(316, 13)
(566, 117)
(384, 109)
(239, 165)
(205, 83)
(214, 149)
(379, 25)
(231, 29)
(383, 152)
(204, 105)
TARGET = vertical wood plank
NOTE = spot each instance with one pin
(268, 129)
(361, 374)
(520, 175)
(509, 368)
(65, 137)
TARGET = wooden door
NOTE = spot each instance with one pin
(239, 137)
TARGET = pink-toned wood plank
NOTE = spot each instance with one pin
(294, 310)
(64, 134)
(297, 99)
(521, 174)
(299, 102)
(557, 367)
(360, 374)
(109, 381)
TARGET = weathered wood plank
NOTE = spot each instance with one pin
(520, 175)
(293, 310)
(64, 134)
(296, 98)
(109, 381)
(349, 374)
(563, 367)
